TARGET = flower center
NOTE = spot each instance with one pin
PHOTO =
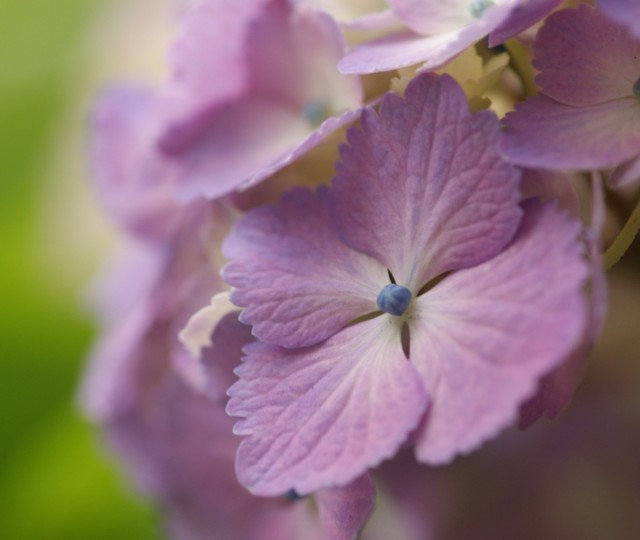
(315, 112)
(394, 299)
(478, 7)
(636, 88)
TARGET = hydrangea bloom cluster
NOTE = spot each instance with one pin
(341, 269)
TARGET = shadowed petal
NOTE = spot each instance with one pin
(297, 281)
(482, 337)
(584, 58)
(322, 416)
(521, 18)
(546, 134)
(422, 187)
(624, 11)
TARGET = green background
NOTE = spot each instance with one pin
(55, 482)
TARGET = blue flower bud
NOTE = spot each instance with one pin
(394, 299)
(478, 7)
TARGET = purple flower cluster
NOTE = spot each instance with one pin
(275, 331)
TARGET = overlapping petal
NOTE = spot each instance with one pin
(626, 12)
(284, 98)
(132, 181)
(321, 416)
(585, 59)
(439, 39)
(543, 133)
(483, 336)
(522, 17)
(422, 187)
(297, 282)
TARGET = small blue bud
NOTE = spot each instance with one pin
(292, 496)
(315, 112)
(636, 88)
(394, 299)
(478, 7)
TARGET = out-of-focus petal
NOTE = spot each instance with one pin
(422, 187)
(625, 12)
(483, 336)
(626, 174)
(585, 59)
(133, 182)
(344, 510)
(557, 388)
(297, 282)
(543, 133)
(522, 17)
(289, 98)
(406, 48)
(321, 416)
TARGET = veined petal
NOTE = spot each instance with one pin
(322, 416)
(297, 282)
(543, 133)
(483, 336)
(585, 59)
(422, 187)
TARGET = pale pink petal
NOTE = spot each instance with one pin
(344, 510)
(543, 133)
(428, 18)
(585, 59)
(321, 416)
(625, 12)
(290, 99)
(422, 187)
(483, 336)
(132, 180)
(297, 282)
(407, 48)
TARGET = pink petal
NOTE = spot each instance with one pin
(297, 281)
(585, 59)
(626, 174)
(557, 388)
(133, 182)
(543, 133)
(407, 48)
(522, 17)
(625, 12)
(422, 187)
(482, 337)
(286, 99)
(322, 416)
(344, 510)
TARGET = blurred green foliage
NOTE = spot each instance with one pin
(54, 481)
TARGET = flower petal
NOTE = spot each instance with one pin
(406, 48)
(623, 11)
(297, 282)
(422, 187)
(545, 134)
(522, 17)
(585, 59)
(344, 510)
(321, 416)
(483, 336)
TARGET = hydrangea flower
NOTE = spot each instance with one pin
(254, 87)
(412, 302)
(435, 32)
(587, 115)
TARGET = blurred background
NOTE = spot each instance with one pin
(578, 477)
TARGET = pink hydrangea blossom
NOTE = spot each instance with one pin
(412, 302)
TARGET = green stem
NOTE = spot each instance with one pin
(624, 239)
